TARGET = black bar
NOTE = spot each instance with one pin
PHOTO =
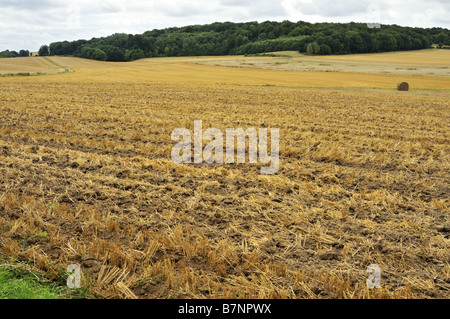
(223, 308)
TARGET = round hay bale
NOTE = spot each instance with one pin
(403, 86)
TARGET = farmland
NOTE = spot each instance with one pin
(424, 62)
(86, 178)
(29, 66)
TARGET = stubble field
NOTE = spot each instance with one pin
(29, 66)
(86, 178)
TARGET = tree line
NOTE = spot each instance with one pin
(228, 38)
(14, 54)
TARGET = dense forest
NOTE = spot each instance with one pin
(228, 38)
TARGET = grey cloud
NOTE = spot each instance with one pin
(236, 3)
(30, 5)
(255, 9)
(180, 9)
(30, 23)
(334, 8)
(112, 6)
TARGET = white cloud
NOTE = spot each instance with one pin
(430, 16)
(28, 24)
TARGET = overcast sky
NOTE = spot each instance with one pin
(27, 24)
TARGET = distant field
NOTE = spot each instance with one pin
(87, 178)
(435, 63)
(255, 71)
(29, 65)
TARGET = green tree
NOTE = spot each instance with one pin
(113, 53)
(100, 55)
(353, 42)
(131, 55)
(43, 50)
(313, 48)
(251, 37)
(24, 53)
(387, 42)
(8, 54)
(325, 49)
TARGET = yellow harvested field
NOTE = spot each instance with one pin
(410, 65)
(358, 71)
(419, 57)
(87, 178)
(188, 70)
(31, 65)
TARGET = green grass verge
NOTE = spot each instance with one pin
(19, 284)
